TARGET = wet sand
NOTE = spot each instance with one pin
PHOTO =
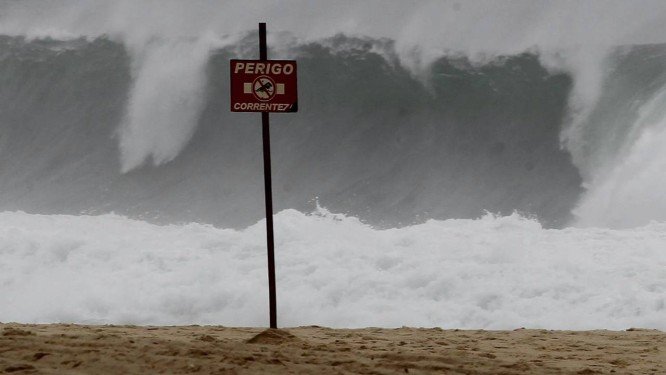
(77, 349)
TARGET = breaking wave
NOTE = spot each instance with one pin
(372, 139)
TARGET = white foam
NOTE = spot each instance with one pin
(494, 273)
(630, 192)
(165, 100)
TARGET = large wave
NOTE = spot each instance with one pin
(370, 139)
(439, 112)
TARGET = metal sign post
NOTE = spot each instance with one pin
(265, 86)
(268, 190)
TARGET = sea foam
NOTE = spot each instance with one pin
(332, 270)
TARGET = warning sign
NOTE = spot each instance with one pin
(263, 86)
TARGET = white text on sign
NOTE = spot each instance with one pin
(263, 107)
(264, 68)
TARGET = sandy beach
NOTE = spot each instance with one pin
(79, 349)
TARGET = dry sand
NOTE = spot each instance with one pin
(75, 349)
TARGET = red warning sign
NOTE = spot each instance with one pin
(263, 86)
